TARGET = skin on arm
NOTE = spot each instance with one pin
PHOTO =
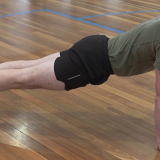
(157, 106)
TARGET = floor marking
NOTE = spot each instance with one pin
(109, 14)
(81, 20)
(7, 15)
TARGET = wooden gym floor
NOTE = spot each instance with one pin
(113, 121)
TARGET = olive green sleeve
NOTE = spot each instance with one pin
(157, 62)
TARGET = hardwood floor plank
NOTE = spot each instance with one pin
(53, 123)
(113, 121)
(23, 132)
(85, 135)
(100, 133)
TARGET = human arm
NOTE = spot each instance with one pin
(157, 106)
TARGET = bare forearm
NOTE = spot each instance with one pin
(157, 119)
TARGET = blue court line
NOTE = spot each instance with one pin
(7, 15)
(98, 25)
(61, 14)
(109, 14)
(81, 20)
(64, 15)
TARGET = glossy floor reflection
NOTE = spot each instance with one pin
(113, 121)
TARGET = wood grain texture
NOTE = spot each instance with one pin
(113, 121)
